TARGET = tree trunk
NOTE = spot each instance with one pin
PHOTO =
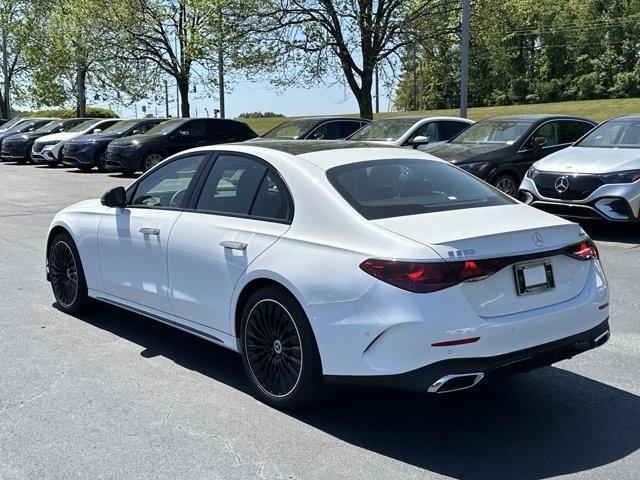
(3, 108)
(183, 86)
(363, 96)
(81, 91)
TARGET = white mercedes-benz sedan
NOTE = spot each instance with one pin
(334, 262)
(597, 178)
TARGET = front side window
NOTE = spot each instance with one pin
(571, 130)
(51, 127)
(429, 129)
(394, 188)
(348, 128)
(166, 187)
(292, 130)
(623, 133)
(327, 131)
(449, 129)
(82, 127)
(494, 131)
(197, 128)
(549, 131)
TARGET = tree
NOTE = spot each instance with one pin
(14, 23)
(68, 53)
(324, 38)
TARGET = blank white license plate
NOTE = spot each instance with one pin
(534, 277)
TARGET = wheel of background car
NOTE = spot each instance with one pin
(506, 183)
(66, 274)
(279, 351)
(178, 197)
(151, 160)
(102, 161)
(85, 168)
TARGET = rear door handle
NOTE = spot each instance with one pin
(149, 231)
(233, 245)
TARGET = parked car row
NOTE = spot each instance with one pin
(575, 179)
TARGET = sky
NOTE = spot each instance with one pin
(254, 96)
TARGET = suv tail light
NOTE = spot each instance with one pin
(585, 250)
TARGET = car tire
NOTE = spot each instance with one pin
(67, 275)
(101, 162)
(84, 168)
(150, 160)
(279, 351)
(506, 183)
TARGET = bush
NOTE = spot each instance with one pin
(260, 115)
(96, 112)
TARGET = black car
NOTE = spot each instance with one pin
(500, 150)
(25, 125)
(88, 151)
(316, 128)
(141, 152)
(17, 147)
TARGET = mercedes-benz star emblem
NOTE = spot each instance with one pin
(562, 184)
(537, 239)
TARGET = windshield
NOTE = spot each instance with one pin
(121, 127)
(493, 131)
(84, 126)
(291, 130)
(614, 134)
(388, 130)
(10, 124)
(50, 127)
(166, 127)
(395, 188)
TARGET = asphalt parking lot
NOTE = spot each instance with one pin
(115, 395)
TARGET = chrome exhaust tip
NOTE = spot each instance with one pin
(456, 382)
(601, 339)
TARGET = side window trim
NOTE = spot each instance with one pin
(131, 191)
(199, 186)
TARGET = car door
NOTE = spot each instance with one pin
(530, 152)
(189, 135)
(243, 208)
(132, 241)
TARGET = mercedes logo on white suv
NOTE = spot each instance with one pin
(562, 184)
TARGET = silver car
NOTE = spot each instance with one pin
(598, 177)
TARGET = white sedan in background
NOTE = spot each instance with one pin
(411, 131)
(331, 262)
(48, 149)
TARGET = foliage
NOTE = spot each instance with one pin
(260, 115)
(526, 51)
(92, 112)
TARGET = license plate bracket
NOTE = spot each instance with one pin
(534, 277)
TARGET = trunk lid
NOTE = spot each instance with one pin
(498, 232)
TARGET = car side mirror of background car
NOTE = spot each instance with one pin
(116, 197)
(97, 130)
(184, 133)
(420, 140)
(136, 132)
(539, 142)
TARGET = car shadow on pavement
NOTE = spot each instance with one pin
(543, 424)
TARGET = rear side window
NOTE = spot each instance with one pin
(449, 129)
(571, 131)
(327, 131)
(348, 128)
(394, 188)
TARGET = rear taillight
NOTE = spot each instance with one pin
(426, 277)
(584, 250)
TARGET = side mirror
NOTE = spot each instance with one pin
(136, 132)
(184, 133)
(539, 142)
(116, 197)
(420, 140)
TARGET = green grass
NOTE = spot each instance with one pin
(597, 110)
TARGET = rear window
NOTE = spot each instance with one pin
(394, 188)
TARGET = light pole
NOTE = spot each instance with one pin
(464, 60)
(166, 99)
(221, 68)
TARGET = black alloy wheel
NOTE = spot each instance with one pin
(279, 351)
(66, 275)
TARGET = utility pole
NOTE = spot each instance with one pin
(5, 60)
(166, 99)
(221, 68)
(377, 90)
(415, 76)
(464, 63)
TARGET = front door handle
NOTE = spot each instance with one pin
(149, 231)
(233, 245)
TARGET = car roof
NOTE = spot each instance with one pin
(625, 117)
(417, 118)
(537, 117)
(324, 119)
(326, 154)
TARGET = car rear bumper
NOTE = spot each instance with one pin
(460, 373)
(610, 202)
